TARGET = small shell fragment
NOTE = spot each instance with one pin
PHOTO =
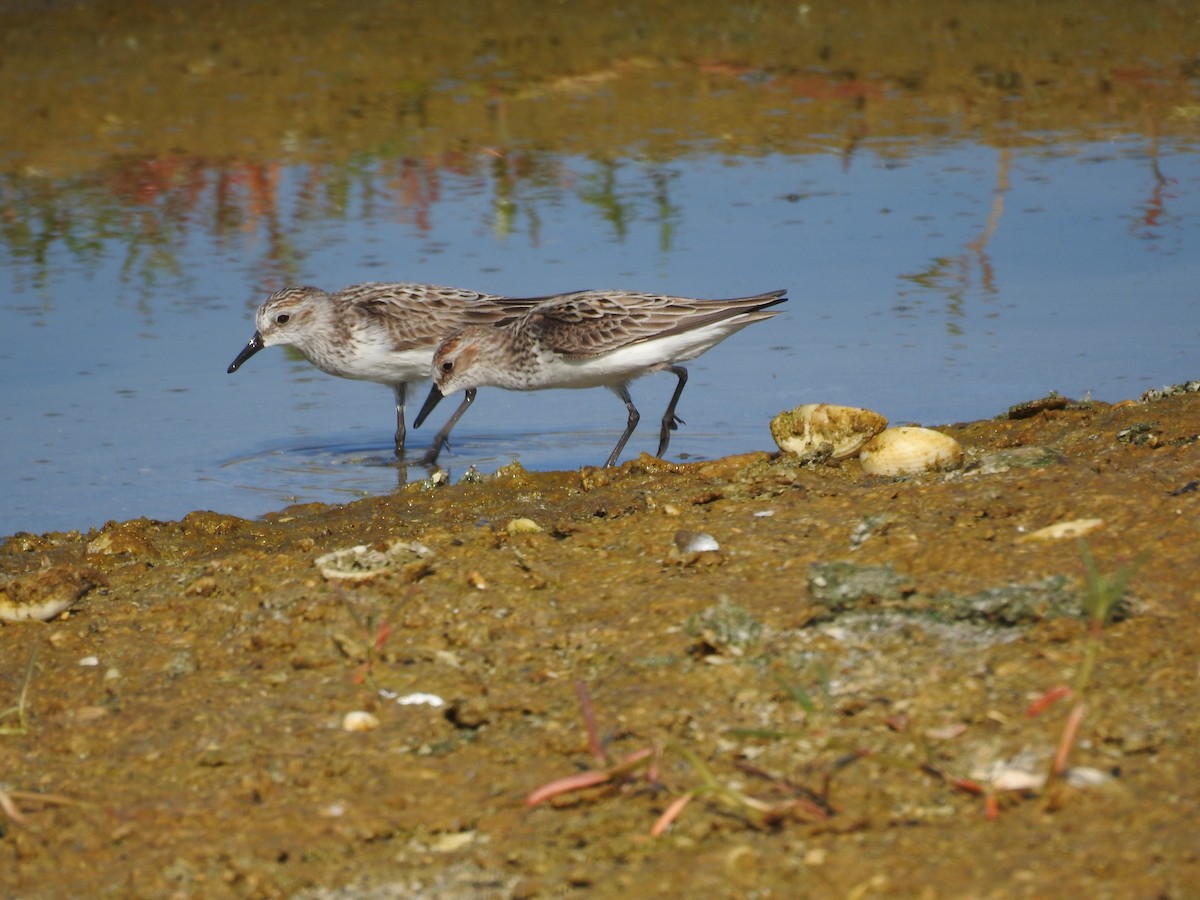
(362, 562)
(1014, 779)
(455, 840)
(908, 450)
(1086, 777)
(420, 698)
(359, 720)
(946, 732)
(696, 542)
(807, 428)
(1060, 530)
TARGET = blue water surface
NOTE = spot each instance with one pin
(933, 283)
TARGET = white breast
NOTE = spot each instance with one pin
(370, 360)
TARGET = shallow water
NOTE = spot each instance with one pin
(936, 275)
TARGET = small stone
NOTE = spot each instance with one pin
(1050, 402)
(523, 526)
(359, 720)
(725, 628)
(816, 856)
(448, 843)
(89, 713)
(204, 586)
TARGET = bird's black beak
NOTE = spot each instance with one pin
(431, 401)
(256, 344)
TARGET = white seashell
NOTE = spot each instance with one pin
(363, 562)
(696, 542)
(908, 450)
(845, 429)
(359, 720)
(1086, 777)
(1012, 779)
(421, 699)
(1059, 530)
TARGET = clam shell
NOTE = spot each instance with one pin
(806, 428)
(908, 450)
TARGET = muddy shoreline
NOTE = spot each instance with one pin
(185, 719)
(859, 655)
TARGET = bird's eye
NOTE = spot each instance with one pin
(448, 367)
(282, 319)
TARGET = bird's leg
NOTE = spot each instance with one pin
(442, 438)
(623, 393)
(401, 392)
(670, 421)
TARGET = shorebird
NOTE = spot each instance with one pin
(591, 339)
(381, 332)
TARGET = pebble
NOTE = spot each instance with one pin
(359, 720)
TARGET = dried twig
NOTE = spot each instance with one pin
(22, 725)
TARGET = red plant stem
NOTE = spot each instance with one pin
(381, 635)
(589, 722)
(1048, 699)
(10, 809)
(1070, 732)
(670, 815)
(566, 785)
(991, 808)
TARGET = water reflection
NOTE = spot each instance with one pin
(153, 210)
(957, 276)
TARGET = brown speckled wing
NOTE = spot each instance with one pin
(420, 315)
(591, 323)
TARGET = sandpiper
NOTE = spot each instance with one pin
(382, 332)
(591, 339)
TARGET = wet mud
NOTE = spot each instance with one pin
(103, 85)
(843, 686)
(858, 655)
